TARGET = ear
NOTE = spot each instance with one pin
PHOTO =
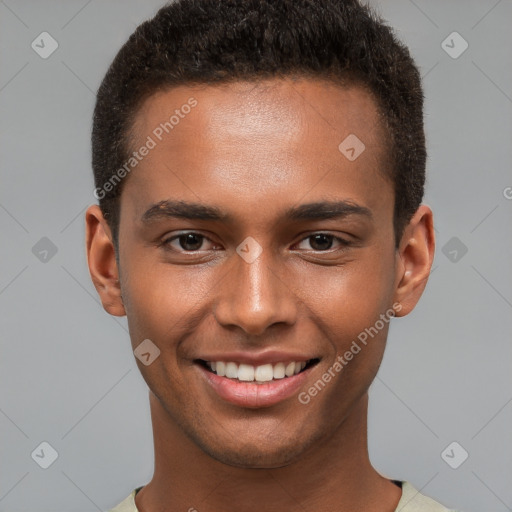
(414, 259)
(101, 259)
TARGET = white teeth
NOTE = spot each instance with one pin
(221, 368)
(290, 369)
(262, 373)
(279, 371)
(231, 370)
(245, 372)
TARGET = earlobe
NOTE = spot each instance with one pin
(101, 259)
(414, 259)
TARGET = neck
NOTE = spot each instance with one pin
(333, 475)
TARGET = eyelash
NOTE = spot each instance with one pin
(166, 243)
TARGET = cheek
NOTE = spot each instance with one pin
(162, 302)
(350, 311)
(352, 297)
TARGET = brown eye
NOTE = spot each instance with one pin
(323, 242)
(190, 241)
(185, 242)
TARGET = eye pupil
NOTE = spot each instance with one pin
(190, 238)
(318, 238)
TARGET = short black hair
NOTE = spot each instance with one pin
(192, 42)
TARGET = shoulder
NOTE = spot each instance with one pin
(414, 501)
(128, 504)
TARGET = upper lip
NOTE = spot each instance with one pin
(269, 357)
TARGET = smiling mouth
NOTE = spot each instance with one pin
(258, 374)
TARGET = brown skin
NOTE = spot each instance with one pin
(253, 152)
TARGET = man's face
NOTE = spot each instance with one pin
(253, 153)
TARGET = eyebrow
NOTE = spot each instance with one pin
(320, 210)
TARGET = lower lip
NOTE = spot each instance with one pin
(250, 394)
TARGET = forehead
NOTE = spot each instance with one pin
(279, 137)
(272, 107)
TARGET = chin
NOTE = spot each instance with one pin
(253, 457)
(260, 452)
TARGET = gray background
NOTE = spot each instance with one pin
(67, 372)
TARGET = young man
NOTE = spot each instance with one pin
(260, 168)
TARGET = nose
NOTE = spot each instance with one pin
(255, 296)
